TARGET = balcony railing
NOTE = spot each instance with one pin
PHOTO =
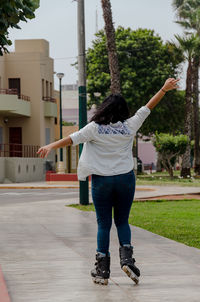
(15, 92)
(49, 99)
(18, 150)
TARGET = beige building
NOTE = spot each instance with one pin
(27, 105)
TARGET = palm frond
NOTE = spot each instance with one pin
(177, 3)
(188, 44)
(186, 24)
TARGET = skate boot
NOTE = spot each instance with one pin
(101, 272)
(127, 263)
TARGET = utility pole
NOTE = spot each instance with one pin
(84, 191)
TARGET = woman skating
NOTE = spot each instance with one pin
(107, 156)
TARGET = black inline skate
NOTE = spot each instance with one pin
(101, 272)
(127, 263)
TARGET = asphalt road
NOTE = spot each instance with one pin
(31, 195)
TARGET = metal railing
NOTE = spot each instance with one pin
(49, 99)
(8, 91)
(14, 91)
(18, 150)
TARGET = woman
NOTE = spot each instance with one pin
(107, 156)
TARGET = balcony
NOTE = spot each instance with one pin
(13, 104)
(50, 107)
(18, 150)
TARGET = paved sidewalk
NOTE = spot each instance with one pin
(159, 191)
(142, 191)
(47, 251)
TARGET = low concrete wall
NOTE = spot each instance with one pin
(2, 169)
(23, 169)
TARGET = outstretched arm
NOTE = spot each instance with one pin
(85, 134)
(44, 151)
(170, 84)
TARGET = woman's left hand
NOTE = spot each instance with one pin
(170, 84)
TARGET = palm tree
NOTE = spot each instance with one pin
(187, 45)
(196, 114)
(111, 47)
(188, 12)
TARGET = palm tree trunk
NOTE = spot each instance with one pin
(196, 117)
(185, 169)
(111, 47)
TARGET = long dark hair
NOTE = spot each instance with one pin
(113, 109)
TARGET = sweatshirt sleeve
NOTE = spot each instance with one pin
(85, 134)
(136, 121)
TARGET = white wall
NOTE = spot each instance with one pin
(2, 169)
(22, 169)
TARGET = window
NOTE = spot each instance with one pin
(47, 88)
(55, 121)
(47, 135)
(1, 138)
(15, 84)
(51, 91)
(42, 88)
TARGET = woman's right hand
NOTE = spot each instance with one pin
(44, 151)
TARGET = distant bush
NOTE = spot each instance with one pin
(170, 148)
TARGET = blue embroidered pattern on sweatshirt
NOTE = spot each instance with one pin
(118, 129)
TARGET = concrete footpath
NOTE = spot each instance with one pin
(142, 191)
(47, 251)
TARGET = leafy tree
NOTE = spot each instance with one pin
(144, 62)
(111, 47)
(169, 148)
(11, 13)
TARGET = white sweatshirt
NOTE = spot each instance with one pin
(107, 149)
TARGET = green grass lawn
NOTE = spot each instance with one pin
(166, 182)
(162, 178)
(177, 220)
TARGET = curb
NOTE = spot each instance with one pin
(165, 196)
(4, 297)
(58, 187)
(32, 187)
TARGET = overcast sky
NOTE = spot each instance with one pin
(56, 21)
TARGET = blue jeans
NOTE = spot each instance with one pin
(113, 192)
